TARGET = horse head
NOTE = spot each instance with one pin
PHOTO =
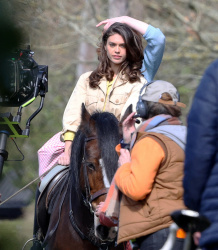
(94, 160)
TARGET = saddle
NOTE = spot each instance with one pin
(52, 177)
(53, 190)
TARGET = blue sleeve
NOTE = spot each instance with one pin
(202, 137)
(153, 52)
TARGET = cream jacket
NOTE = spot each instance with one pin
(122, 94)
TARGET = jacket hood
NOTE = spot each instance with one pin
(177, 133)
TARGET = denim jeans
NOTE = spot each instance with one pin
(156, 240)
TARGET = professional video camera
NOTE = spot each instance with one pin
(21, 81)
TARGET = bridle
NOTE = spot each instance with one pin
(88, 199)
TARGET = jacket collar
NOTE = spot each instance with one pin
(120, 80)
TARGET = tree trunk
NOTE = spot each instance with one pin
(118, 8)
(86, 52)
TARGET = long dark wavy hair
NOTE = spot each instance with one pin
(131, 67)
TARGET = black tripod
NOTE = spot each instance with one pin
(3, 153)
(9, 127)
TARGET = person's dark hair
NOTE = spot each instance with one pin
(131, 67)
(155, 108)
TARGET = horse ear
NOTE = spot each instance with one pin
(127, 112)
(85, 113)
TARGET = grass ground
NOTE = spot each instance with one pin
(14, 233)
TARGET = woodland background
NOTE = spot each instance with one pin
(63, 35)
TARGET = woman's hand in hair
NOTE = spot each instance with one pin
(139, 26)
(128, 127)
(108, 22)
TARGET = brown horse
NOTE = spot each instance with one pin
(66, 213)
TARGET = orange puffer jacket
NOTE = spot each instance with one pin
(151, 184)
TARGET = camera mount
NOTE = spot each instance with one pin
(25, 82)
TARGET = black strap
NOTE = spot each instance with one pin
(101, 246)
(100, 192)
(49, 234)
(73, 222)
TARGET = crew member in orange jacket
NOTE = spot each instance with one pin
(150, 174)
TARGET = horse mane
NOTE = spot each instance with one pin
(108, 137)
(107, 130)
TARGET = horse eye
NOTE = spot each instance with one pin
(91, 166)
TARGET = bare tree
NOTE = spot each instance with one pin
(63, 36)
(118, 8)
(86, 51)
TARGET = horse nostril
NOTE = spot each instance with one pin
(103, 231)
